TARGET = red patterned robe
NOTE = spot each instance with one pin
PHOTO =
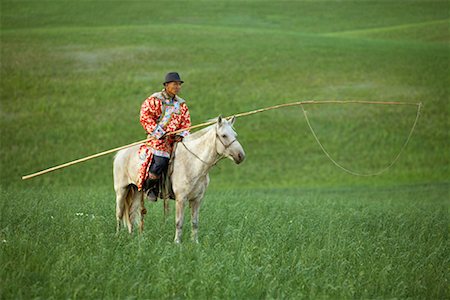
(160, 115)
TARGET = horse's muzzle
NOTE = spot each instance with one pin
(239, 157)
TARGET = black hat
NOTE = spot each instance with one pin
(172, 76)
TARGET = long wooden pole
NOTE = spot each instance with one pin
(243, 114)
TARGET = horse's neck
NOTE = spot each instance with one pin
(204, 153)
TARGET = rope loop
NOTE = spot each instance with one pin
(419, 106)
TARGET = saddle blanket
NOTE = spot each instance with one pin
(165, 185)
(145, 156)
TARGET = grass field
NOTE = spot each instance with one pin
(285, 224)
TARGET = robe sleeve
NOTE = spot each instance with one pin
(185, 120)
(150, 113)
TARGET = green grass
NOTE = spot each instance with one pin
(292, 243)
(285, 224)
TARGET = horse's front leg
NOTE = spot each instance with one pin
(179, 219)
(195, 208)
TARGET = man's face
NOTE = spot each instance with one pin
(173, 87)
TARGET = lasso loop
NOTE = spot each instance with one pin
(419, 106)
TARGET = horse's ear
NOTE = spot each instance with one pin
(233, 119)
(219, 120)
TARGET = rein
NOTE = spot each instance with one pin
(195, 155)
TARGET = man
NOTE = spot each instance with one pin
(161, 113)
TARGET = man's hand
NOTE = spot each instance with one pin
(178, 138)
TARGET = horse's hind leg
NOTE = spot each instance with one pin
(121, 194)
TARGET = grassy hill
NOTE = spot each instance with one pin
(73, 77)
(72, 83)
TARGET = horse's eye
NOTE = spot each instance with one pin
(224, 135)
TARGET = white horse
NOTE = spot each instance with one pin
(194, 157)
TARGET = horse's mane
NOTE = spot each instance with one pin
(199, 134)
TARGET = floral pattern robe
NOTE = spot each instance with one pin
(160, 115)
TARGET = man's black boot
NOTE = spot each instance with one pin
(151, 189)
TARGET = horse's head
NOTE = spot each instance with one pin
(226, 140)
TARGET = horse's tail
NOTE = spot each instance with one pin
(134, 209)
(127, 208)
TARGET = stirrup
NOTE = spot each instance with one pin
(151, 195)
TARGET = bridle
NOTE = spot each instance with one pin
(226, 146)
